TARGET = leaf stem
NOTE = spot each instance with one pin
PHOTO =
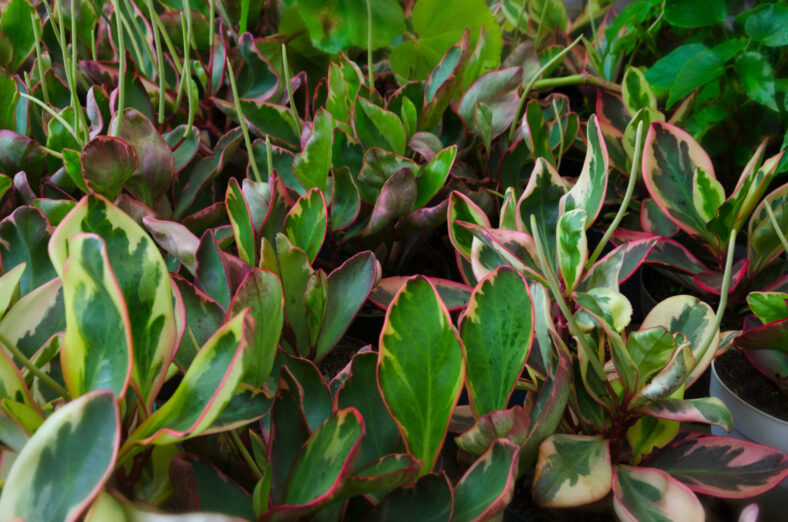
(370, 72)
(241, 118)
(121, 60)
(54, 114)
(268, 157)
(39, 65)
(159, 63)
(633, 175)
(583, 78)
(239, 445)
(775, 224)
(560, 136)
(286, 69)
(555, 59)
(35, 370)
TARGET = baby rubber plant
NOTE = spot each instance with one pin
(680, 179)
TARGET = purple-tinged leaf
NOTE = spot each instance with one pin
(23, 239)
(443, 82)
(454, 295)
(497, 90)
(420, 363)
(488, 486)
(651, 494)
(175, 239)
(396, 199)
(772, 336)
(708, 410)
(722, 466)
(617, 266)
(711, 281)
(107, 164)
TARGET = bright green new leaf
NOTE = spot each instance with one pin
(695, 13)
(376, 127)
(757, 77)
(420, 368)
(241, 221)
(433, 176)
(305, 224)
(97, 351)
(707, 194)
(768, 306)
(311, 166)
(572, 247)
(17, 27)
(66, 462)
(496, 330)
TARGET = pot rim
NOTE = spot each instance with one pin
(742, 401)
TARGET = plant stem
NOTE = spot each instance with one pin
(560, 135)
(54, 114)
(516, 39)
(555, 59)
(633, 175)
(170, 47)
(51, 152)
(286, 69)
(241, 118)
(121, 60)
(211, 37)
(584, 78)
(39, 65)
(35, 370)
(82, 123)
(555, 289)
(775, 224)
(239, 444)
(370, 72)
(268, 157)
(159, 63)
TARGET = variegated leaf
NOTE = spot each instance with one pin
(385, 473)
(9, 286)
(305, 224)
(649, 433)
(488, 486)
(420, 368)
(589, 190)
(722, 466)
(763, 244)
(636, 92)
(572, 470)
(572, 247)
(454, 295)
(670, 379)
(66, 462)
(496, 330)
(511, 424)
(461, 208)
(143, 280)
(708, 410)
(97, 349)
(641, 494)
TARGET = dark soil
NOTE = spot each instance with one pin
(751, 385)
(340, 356)
(523, 508)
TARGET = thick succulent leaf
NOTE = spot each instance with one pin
(535, 132)
(763, 244)
(305, 224)
(257, 80)
(496, 330)
(443, 82)
(9, 286)
(386, 473)
(23, 239)
(709, 410)
(396, 199)
(572, 247)
(590, 188)
(572, 470)
(143, 281)
(241, 221)
(461, 208)
(203, 317)
(722, 466)
(693, 318)
(315, 397)
(617, 266)
(175, 239)
(647, 494)
(649, 433)
(155, 169)
(498, 91)
(13, 385)
(200, 486)
(650, 349)
(261, 292)
(420, 368)
(541, 199)
(16, 26)
(97, 351)
(454, 295)
(429, 499)
(433, 176)
(348, 288)
(707, 194)
(511, 424)
(492, 248)
(107, 163)
(322, 466)
(773, 336)
(609, 306)
(376, 127)
(311, 166)
(378, 166)
(212, 274)
(205, 390)
(767, 306)
(66, 462)
(35, 318)
(673, 254)
(636, 92)
(654, 221)
(382, 436)
(264, 118)
(183, 144)
(345, 200)
(668, 381)
(488, 486)
(671, 158)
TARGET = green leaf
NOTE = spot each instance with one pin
(257, 79)
(443, 82)
(650, 350)
(768, 306)
(66, 462)
(488, 486)
(16, 25)
(376, 127)
(663, 73)
(348, 288)
(763, 245)
(345, 200)
(429, 500)
(572, 470)
(211, 275)
(241, 221)
(498, 90)
(203, 317)
(205, 390)
(698, 70)
(143, 281)
(97, 351)
(707, 410)
(35, 318)
(636, 92)
(322, 466)
(535, 132)
(454, 295)
(9, 93)
(757, 78)
(652, 494)
(436, 33)
(312, 165)
(496, 330)
(260, 292)
(9, 286)
(671, 157)
(483, 119)
(766, 24)
(572, 247)
(434, 175)
(420, 368)
(589, 190)
(650, 433)
(707, 194)
(462, 208)
(264, 119)
(695, 13)
(305, 224)
(550, 14)
(107, 164)
(23, 239)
